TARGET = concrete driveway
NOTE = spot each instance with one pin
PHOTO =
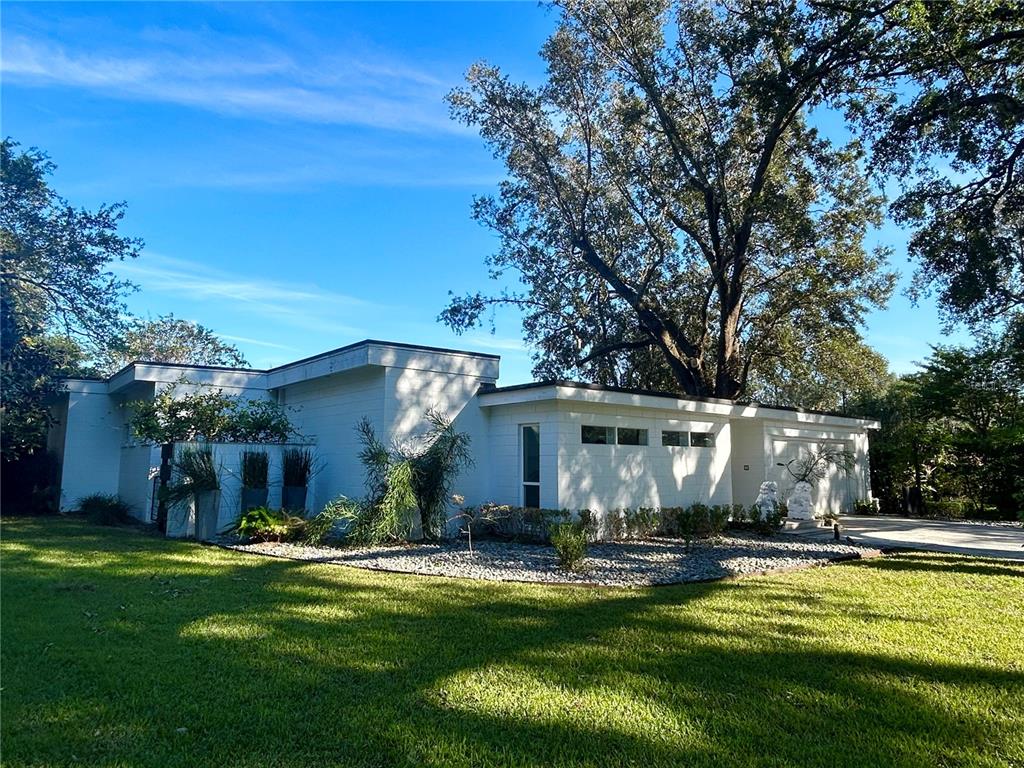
(937, 535)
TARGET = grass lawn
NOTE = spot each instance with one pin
(120, 648)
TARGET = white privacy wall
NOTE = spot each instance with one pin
(227, 457)
(607, 477)
(93, 434)
(837, 491)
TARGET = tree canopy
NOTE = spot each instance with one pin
(673, 214)
(168, 339)
(56, 258)
(666, 190)
(953, 137)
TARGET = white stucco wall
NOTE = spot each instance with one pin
(577, 476)
(607, 477)
(326, 411)
(749, 462)
(139, 466)
(93, 433)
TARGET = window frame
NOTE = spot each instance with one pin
(710, 436)
(683, 435)
(523, 482)
(609, 431)
(641, 432)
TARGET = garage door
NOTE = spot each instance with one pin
(831, 493)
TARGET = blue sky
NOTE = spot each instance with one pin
(292, 167)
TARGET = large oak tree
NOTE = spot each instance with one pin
(666, 190)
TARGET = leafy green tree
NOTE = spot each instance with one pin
(199, 413)
(954, 430)
(31, 364)
(828, 369)
(169, 339)
(57, 300)
(951, 130)
(667, 192)
(55, 258)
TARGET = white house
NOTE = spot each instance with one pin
(554, 444)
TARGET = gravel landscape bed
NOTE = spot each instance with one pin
(629, 564)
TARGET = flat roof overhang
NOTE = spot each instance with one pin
(570, 391)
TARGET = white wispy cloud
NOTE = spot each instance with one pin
(505, 344)
(262, 83)
(299, 306)
(257, 342)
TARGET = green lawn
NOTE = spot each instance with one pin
(120, 648)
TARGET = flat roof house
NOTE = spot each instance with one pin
(554, 444)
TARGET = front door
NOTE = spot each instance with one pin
(529, 449)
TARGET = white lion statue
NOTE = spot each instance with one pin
(767, 499)
(801, 506)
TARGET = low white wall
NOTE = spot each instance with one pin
(139, 470)
(228, 457)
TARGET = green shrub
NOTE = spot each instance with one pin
(570, 543)
(105, 509)
(320, 527)
(642, 522)
(591, 523)
(865, 507)
(265, 524)
(524, 524)
(614, 525)
(751, 518)
(670, 525)
(718, 518)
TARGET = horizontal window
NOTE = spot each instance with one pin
(597, 435)
(632, 436)
(702, 439)
(681, 439)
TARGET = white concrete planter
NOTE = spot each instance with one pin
(207, 506)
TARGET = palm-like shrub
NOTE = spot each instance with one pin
(435, 463)
(196, 472)
(402, 479)
(264, 524)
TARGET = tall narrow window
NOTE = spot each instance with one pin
(529, 440)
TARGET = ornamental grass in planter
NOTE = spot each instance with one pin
(297, 466)
(198, 482)
(255, 470)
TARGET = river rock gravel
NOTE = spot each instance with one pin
(624, 564)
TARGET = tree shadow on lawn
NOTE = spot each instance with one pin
(918, 560)
(276, 662)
